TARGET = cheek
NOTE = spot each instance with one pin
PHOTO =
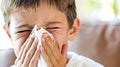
(18, 40)
(61, 40)
(18, 43)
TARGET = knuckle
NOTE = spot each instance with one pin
(29, 54)
(32, 62)
(31, 65)
(18, 64)
(34, 45)
(58, 60)
(32, 38)
(49, 42)
(25, 50)
(23, 46)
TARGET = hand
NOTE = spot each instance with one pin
(52, 54)
(29, 54)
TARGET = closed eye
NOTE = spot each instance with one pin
(52, 28)
(22, 31)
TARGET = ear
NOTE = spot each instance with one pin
(7, 31)
(74, 29)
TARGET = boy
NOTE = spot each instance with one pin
(58, 17)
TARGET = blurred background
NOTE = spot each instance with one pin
(95, 10)
(103, 10)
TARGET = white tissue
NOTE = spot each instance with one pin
(38, 34)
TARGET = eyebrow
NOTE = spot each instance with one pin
(31, 26)
(24, 25)
(52, 22)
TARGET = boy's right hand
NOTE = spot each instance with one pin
(29, 53)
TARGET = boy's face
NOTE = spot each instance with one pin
(51, 19)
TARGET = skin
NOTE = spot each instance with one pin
(25, 43)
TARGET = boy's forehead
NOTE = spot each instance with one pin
(42, 13)
(41, 10)
(31, 10)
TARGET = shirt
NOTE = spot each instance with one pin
(76, 60)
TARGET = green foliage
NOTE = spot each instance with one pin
(94, 4)
(115, 8)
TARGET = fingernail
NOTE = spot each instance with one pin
(46, 35)
(36, 39)
(32, 36)
(38, 47)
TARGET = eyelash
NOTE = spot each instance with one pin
(52, 28)
(23, 31)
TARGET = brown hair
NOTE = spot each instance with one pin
(66, 6)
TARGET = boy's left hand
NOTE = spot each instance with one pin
(51, 53)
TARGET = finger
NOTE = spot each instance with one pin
(52, 45)
(35, 58)
(27, 47)
(46, 58)
(48, 50)
(18, 64)
(19, 55)
(30, 52)
(22, 49)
